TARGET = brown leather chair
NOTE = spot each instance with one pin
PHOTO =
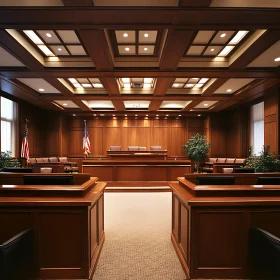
(115, 148)
(69, 166)
(53, 159)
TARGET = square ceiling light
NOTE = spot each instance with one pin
(137, 104)
(174, 105)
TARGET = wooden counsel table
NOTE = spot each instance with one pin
(138, 155)
(68, 222)
(210, 223)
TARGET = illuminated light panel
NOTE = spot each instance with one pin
(41, 89)
(48, 35)
(229, 90)
(77, 85)
(199, 85)
(127, 49)
(59, 49)
(126, 85)
(73, 81)
(86, 85)
(189, 85)
(125, 35)
(277, 59)
(148, 80)
(226, 50)
(32, 35)
(176, 85)
(203, 80)
(146, 35)
(212, 50)
(126, 80)
(145, 49)
(223, 35)
(98, 85)
(205, 104)
(147, 85)
(45, 50)
(64, 104)
(238, 37)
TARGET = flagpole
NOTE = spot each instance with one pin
(85, 122)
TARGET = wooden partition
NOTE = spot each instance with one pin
(210, 224)
(68, 222)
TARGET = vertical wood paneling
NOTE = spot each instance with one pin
(52, 142)
(177, 137)
(96, 140)
(218, 144)
(113, 137)
(75, 145)
(160, 137)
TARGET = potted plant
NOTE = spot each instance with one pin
(197, 149)
(264, 162)
(6, 160)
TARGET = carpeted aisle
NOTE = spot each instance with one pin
(137, 239)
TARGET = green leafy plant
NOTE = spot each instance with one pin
(264, 162)
(6, 160)
(197, 148)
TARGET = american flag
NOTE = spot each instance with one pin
(24, 144)
(86, 142)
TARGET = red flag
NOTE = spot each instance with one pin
(86, 142)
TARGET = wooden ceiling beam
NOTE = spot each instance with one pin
(154, 105)
(191, 105)
(261, 45)
(111, 85)
(60, 87)
(194, 3)
(162, 85)
(18, 51)
(97, 47)
(174, 48)
(118, 104)
(212, 87)
(78, 3)
(82, 105)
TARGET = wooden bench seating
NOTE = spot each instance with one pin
(216, 165)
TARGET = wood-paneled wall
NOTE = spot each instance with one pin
(271, 121)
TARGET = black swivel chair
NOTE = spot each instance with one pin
(215, 180)
(17, 257)
(264, 254)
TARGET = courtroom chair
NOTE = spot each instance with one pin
(45, 170)
(142, 148)
(17, 257)
(221, 160)
(243, 170)
(48, 180)
(32, 161)
(133, 148)
(215, 180)
(208, 165)
(53, 159)
(264, 254)
(268, 181)
(241, 161)
(115, 148)
(68, 165)
(155, 148)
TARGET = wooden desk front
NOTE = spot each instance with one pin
(69, 229)
(210, 225)
(136, 170)
(138, 155)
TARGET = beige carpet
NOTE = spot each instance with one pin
(137, 239)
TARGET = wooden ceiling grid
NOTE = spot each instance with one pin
(182, 24)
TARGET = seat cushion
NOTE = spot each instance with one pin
(230, 160)
(221, 160)
(212, 159)
(53, 159)
(240, 160)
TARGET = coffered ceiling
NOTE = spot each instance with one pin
(176, 57)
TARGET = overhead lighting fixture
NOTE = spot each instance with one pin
(41, 89)
(59, 49)
(33, 36)
(125, 115)
(237, 38)
(176, 85)
(98, 85)
(74, 115)
(136, 115)
(86, 85)
(73, 81)
(145, 49)
(277, 59)
(126, 80)
(195, 78)
(125, 35)
(113, 115)
(126, 85)
(205, 104)
(146, 35)
(147, 115)
(48, 35)
(199, 115)
(147, 85)
(148, 80)
(45, 50)
(127, 49)
(212, 50)
(167, 115)
(229, 90)
(203, 80)
(226, 50)
(189, 85)
(64, 104)
(156, 115)
(77, 85)
(198, 85)
(179, 115)
(223, 35)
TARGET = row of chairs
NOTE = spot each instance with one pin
(230, 180)
(136, 148)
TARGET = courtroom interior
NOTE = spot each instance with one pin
(98, 98)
